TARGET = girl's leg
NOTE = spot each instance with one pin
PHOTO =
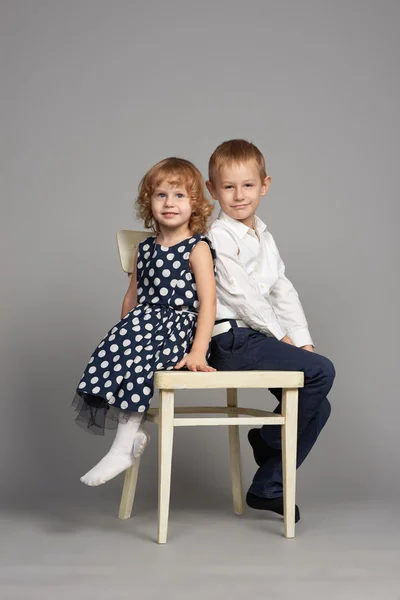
(129, 442)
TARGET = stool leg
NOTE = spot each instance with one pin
(234, 455)
(165, 443)
(129, 489)
(289, 454)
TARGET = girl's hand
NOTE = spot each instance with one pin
(195, 361)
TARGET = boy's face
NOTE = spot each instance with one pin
(238, 189)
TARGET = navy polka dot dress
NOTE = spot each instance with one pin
(154, 335)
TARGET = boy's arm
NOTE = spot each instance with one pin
(237, 291)
(287, 306)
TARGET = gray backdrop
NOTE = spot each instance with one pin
(93, 94)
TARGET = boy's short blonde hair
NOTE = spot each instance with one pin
(235, 151)
(179, 172)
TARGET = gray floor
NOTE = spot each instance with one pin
(75, 550)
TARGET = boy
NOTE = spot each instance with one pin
(260, 321)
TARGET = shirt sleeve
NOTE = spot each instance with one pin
(237, 291)
(287, 306)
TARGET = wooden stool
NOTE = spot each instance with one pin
(165, 417)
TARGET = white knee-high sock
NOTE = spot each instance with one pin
(125, 448)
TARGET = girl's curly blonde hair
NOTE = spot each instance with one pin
(181, 172)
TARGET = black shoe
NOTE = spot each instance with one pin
(273, 504)
(262, 452)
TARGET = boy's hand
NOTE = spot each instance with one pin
(308, 347)
(288, 340)
(194, 361)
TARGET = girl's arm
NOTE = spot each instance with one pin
(130, 299)
(202, 266)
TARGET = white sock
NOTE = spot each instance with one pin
(125, 448)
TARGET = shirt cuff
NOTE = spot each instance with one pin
(301, 337)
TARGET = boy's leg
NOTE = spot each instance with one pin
(246, 349)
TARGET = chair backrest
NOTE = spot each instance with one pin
(128, 241)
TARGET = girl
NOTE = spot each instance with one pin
(167, 314)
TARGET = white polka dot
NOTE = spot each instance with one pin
(111, 338)
(156, 299)
(181, 249)
(92, 370)
(163, 291)
(166, 273)
(142, 299)
(196, 304)
(192, 240)
(138, 369)
(149, 326)
(116, 358)
(140, 380)
(194, 286)
(159, 262)
(146, 247)
(157, 281)
(104, 364)
(135, 398)
(124, 405)
(91, 360)
(117, 367)
(164, 248)
(148, 336)
(186, 255)
(127, 375)
(178, 301)
(173, 283)
(140, 265)
(129, 386)
(94, 380)
(181, 284)
(151, 272)
(159, 338)
(127, 352)
(137, 359)
(114, 348)
(147, 254)
(102, 353)
(167, 351)
(139, 348)
(129, 363)
(141, 408)
(135, 321)
(176, 264)
(146, 390)
(149, 347)
(111, 400)
(146, 317)
(175, 350)
(182, 334)
(170, 256)
(189, 294)
(126, 343)
(108, 383)
(188, 276)
(106, 374)
(138, 338)
(159, 366)
(150, 375)
(82, 385)
(101, 345)
(109, 395)
(119, 379)
(136, 328)
(123, 331)
(95, 390)
(151, 291)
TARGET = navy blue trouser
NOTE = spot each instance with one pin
(242, 349)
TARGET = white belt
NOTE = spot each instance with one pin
(226, 326)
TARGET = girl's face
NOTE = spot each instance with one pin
(171, 205)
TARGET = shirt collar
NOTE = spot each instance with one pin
(239, 228)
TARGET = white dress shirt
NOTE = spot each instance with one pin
(251, 281)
